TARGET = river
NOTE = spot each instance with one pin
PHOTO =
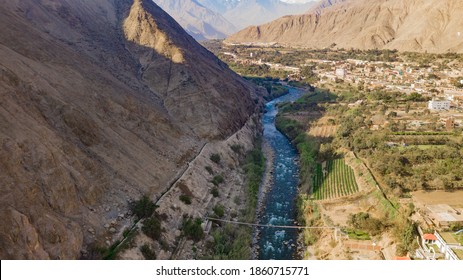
(279, 206)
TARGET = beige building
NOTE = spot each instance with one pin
(443, 215)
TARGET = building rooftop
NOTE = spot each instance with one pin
(429, 236)
(403, 258)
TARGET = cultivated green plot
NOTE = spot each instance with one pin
(335, 180)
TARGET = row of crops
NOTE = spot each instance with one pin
(336, 179)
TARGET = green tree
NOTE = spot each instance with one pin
(143, 208)
(192, 229)
(215, 158)
(147, 252)
(152, 228)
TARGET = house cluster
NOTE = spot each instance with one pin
(439, 245)
(396, 76)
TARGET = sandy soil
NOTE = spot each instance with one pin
(337, 213)
(454, 199)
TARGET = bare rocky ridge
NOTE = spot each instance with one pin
(407, 25)
(100, 102)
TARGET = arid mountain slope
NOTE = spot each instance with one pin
(101, 101)
(406, 25)
(199, 21)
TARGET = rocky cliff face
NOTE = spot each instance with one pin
(410, 25)
(100, 102)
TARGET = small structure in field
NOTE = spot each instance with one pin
(443, 215)
(439, 105)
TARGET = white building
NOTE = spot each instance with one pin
(341, 73)
(448, 249)
(439, 105)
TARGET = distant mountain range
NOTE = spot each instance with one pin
(254, 12)
(215, 19)
(406, 25)
(200, 22)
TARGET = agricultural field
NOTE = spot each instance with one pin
(324, 131)
(333, 179)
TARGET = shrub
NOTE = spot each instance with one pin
(219, 210)
(147, 252)
(143, 207)
(215, 192)
(215, 158)
(236, 148)
(209, 169)
(363, 221)
(193, 230)
(164, 245)
(217, 180)
(185, 198)
(152, 228)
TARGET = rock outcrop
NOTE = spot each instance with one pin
(100, 102)
(407, 25)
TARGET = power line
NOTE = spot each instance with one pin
(269, 226)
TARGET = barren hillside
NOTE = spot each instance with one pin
(406, 25)
(101, 101)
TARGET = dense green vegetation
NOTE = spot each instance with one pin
(339, 180)
(308, 102)
(254, 168)
(307, 147)
(438, 166)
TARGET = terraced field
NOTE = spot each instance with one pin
(334, 179)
